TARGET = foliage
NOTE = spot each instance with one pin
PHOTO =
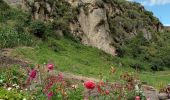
(44, 81)
(154, 53)
(49, 85)
(13, 94)
(88, 58)
(38, 28)
(12, 81)
(129, 20)
(10, 38)
(13, 28)
(13, 75)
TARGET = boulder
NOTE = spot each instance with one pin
(150, 92)
(163, 96)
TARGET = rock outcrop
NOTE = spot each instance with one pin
(94, 26)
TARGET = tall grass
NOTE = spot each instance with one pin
(10, 38)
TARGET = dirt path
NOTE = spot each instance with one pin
(6, 60)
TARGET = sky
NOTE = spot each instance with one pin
(160, 9)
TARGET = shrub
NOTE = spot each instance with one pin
(38, 28)
(11, 38)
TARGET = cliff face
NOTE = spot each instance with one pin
(93, 25)
(105, 24)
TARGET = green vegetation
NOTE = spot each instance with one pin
(18, 29)
(13, 95)
(12, 79)
(13, 23)
(144, 54)
(155, 55)
(131, 19)
(75, 58)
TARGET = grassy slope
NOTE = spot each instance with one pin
(81, 60)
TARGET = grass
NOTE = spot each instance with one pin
(13, 94)
(157, 79)
(72, 57)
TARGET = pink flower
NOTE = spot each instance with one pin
(49, 95)
(48, 86)
(32, 74)
(60, 76)
(137, 98)
(89, 84)
(148, 99)
(50, 66)
(107, 92)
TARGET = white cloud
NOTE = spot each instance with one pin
(166, 24)
(155, 2)
(152, 2)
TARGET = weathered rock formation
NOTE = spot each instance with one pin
(94, 26)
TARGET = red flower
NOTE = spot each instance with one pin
(107, 92)
(98, 88)
(50, 66)
(137, 98)
(32, 74)
(89, 84)
(49, 95)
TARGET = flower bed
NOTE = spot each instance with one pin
(43, 82)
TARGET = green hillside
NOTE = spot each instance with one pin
(42, 42)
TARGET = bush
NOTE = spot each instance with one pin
(153, 54)
(9, 37)
(38, 28)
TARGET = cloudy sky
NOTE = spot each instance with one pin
(160, 8)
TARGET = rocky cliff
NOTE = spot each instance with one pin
(105, 24)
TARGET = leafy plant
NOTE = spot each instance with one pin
(38, 28)
(11, 38)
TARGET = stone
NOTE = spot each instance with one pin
(150, 92)
(94, 26)
(163, 96)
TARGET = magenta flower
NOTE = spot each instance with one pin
(60, 76)
(32, 74)
(48, 86)
(49, 95)
(137, 98)
(50, 66)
